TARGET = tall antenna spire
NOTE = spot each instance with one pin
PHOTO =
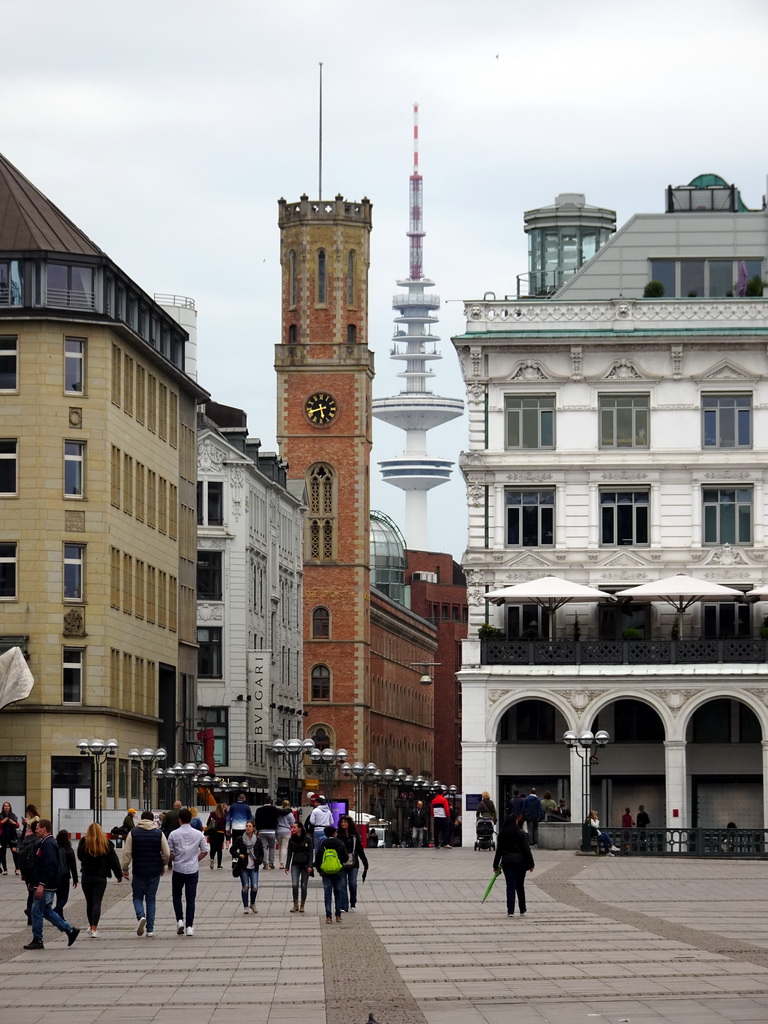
(416, 232)
(320, 140)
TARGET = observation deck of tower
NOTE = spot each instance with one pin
(416, 409)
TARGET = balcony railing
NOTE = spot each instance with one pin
(624, 652)
(691, 842)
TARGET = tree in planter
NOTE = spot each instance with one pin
(576, 627)
(764, 628)
(653, 290)
(755, 287)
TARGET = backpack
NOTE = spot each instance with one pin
(25, 856)
(330, 864)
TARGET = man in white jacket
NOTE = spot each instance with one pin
(318, 820)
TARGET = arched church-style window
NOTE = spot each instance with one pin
(321, 624)
(321, 516)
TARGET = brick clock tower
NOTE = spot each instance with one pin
(324, 373)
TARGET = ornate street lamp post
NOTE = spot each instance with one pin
(146, 759)
(99, 752)
(361, 772)
(585, 745)
(292, 753)
(326, 761)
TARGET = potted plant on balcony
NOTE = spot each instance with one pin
(653, 290)
(576, 627)
(489, 632)
(631, 633)
(764, 628)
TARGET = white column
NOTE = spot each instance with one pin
(577, 789)
(478, 768)
(676, 789)
(765, 782)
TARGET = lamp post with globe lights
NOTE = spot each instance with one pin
(99, 752)
(327, 761)
(191, 774)
(292, 753)
(585, 745)
(360, 773)
(146, 759)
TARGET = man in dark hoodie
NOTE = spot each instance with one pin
(265, 819)
(147, 847)
(45, 879)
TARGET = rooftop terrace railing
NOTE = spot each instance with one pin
(738, 650)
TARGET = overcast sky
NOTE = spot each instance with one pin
(168, 129)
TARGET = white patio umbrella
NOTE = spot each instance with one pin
(549, 592)
(680, 592)
(758, 593)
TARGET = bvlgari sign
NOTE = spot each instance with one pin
(257, 669)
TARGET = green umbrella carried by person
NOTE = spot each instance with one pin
(490, 885)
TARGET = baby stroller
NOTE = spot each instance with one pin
(484, 834)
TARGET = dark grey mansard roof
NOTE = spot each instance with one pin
(30, 222)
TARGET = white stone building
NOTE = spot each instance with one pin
(615, 440)
(249, 618)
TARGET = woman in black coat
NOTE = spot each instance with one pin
(348, 834)
(68, 871)
(98, 858)
(298, 863)
(514, 858)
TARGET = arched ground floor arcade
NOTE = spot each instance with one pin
(692, 747)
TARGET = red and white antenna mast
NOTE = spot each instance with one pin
(416, 232)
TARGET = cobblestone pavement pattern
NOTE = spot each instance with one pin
(644, 941)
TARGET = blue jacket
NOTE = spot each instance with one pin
(47, 867)
(237, 815)
(532, 807)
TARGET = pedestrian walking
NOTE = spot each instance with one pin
(486, 808)
(45, 877)
(348, 835)
(265, 820)
(533, 812)
(330, 855)
(319, 819)
(170, 820)
(285, 824)
(9, 836)
(515, 805)
(298, 862)
(147, 849)
(216, 830)
(98, 861)
(238, 814)
(513, 857)
(187, 847)
(418, 822)
(68, 870)
(441, 821)
(195, 821)
(248, 856)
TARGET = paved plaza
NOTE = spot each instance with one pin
(604, 940)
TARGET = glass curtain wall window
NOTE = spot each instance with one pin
(702, 278)
(209, 650)
(624, 517)
(74, 572)
(727, 515)
(530, 421)
(624, 421)
(7, 571)
(727, 421)
(8, 465)
(74, 468)
(9, 356)
(530, 518)
(70, 285)
(74, 366)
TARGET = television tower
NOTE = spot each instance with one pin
(416, 410)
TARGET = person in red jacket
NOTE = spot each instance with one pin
(441, 821)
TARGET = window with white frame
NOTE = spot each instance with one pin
(210, 502)
(530, 517)
(9, 364)
(74, 572)
(74, 469)
(209, 570)
(726, 421)
(218, 720)
(74, 366)
(624, 517)
(624, 421)
(727, 515)
(530, 421)
(73, 664)
(7, 571)
(209, 648)
(8, 465)
(698, 278)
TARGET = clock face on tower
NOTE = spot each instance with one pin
(320, 408)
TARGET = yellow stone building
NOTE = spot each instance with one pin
(97, 513)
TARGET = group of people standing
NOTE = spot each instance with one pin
(443, 822)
